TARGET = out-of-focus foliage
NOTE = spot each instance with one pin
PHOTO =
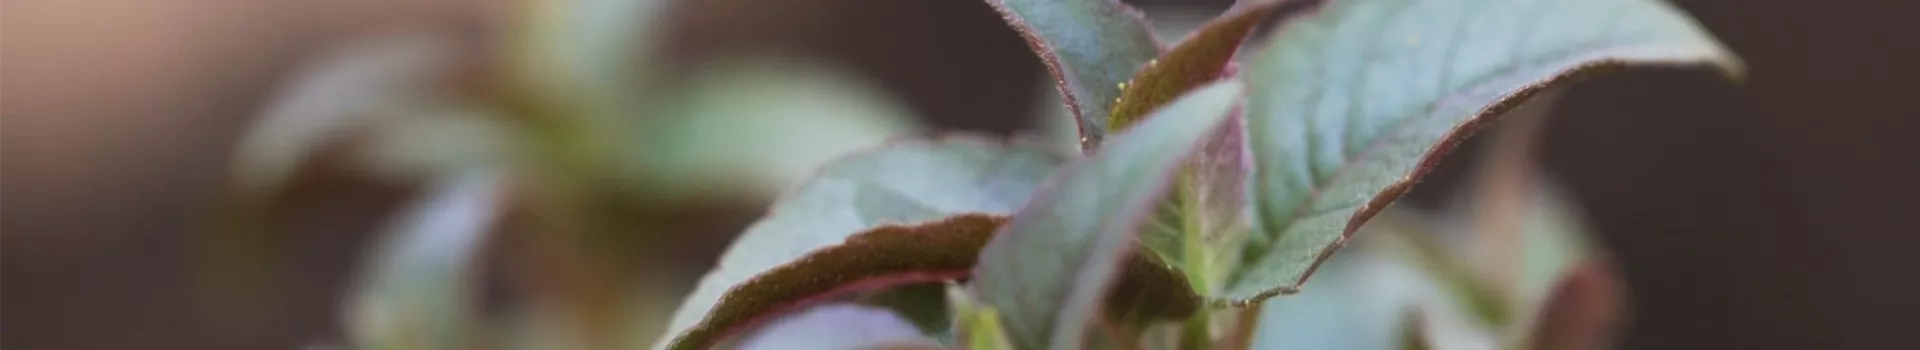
(578, 135)
(557, 147)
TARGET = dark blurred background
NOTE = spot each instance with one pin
(1775, 214)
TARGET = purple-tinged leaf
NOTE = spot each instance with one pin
(1089, 46)
(1049, 267)
(1198, 59)
(1351, 104)
(815, 240)
(875, 259)
(1203, 220)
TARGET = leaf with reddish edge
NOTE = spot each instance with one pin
(876, 259)
(1351, 104)
(1203, 219)
(1198, 59)
(903, 183)
(1049, 267)
(1089, 46)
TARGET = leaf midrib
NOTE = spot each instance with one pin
(1304, 208)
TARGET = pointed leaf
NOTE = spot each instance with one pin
(1351, 104)
(1203, 214)
(1199, 58)
(414, 291)
(816, 240)
(1090, 47)
(1047, 270)
(1202, 219)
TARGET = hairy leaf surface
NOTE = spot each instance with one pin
(1047, 270)
(1090, 47)
(864, 219)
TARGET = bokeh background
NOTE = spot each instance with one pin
(1775, 214)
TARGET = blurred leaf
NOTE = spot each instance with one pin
(1413, 332)
(1049, 267)
(414, 291)
(1362, 301)
(336, 94)
(1528, 240)
(759, 126)
(851, 207)
(421, 141)
(836, 327)
(1562, 291)
(1553, 245)
(1089, 46)
(1451, 269)
(1351, 104)
(599, 48)
(1580, 311)
(978, 325)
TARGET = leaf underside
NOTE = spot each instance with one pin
(1089, 46)
(1199, 58)
(876, 259)
(1351, 104)
(903, 183)
(1048, 269)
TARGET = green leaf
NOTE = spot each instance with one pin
(755, 126)
(1048, 269)
(1203, 217)
(424, 140)
(1351, 104)
(413, 293)
(600, 48)
(1090, 47)
(978, 325)
(813, 240)
(334, 96)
